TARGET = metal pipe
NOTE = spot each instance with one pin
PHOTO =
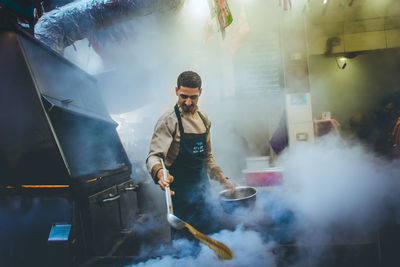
(75, 21)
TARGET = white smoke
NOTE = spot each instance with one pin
(332, 181)
(247, 246)
(333, 191)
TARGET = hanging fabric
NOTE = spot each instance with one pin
(287, 4)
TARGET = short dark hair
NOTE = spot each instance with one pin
(189, 79)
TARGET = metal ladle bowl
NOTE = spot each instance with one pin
(175, 221)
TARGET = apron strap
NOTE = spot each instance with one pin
(204, 121)
(178, 115)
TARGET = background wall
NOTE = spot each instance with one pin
(367, 81)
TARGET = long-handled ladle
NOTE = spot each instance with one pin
(220, 249)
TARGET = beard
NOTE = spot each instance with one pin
(190, 108)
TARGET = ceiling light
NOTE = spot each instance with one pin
(341, 62)
(197, 9)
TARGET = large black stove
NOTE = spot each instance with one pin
(65, 188)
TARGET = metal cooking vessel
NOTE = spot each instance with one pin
(244, 197)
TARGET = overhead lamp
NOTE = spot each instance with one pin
(197, 9)
(341, 62)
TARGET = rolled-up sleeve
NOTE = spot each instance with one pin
(159, 145)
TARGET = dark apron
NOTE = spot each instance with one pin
(191, 183)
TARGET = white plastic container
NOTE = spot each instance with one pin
(257, 163)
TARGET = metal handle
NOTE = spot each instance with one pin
(132, 188)
(170, 209)
(111, 198)
(66, 101)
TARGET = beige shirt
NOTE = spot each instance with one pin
(166, 137)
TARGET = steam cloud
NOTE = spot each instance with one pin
(332, 192)
(245, 254)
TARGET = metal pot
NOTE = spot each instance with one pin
(244, 197)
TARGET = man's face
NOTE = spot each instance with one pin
(188, 97)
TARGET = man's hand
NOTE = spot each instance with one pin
(163, 183)
(228, 184)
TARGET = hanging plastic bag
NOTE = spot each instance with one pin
(223, 13)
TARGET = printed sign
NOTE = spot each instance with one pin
(298, 99)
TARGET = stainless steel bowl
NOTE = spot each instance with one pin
(244, 197)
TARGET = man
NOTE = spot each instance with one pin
(182, 138)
